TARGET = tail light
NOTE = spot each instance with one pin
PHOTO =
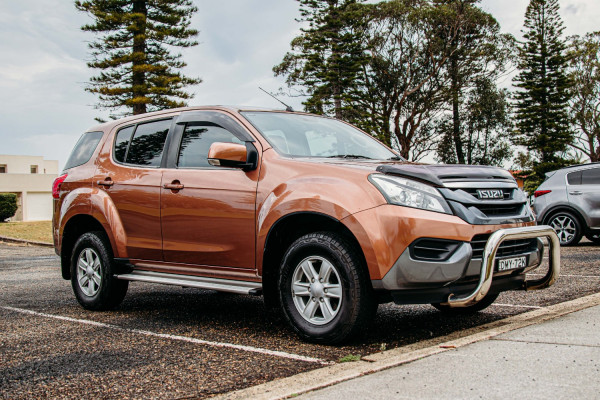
(539, 193)
(56, 186)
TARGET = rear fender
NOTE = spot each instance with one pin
(104, 210)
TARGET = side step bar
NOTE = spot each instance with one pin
(222, 285)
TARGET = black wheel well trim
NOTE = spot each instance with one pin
(269, 272)
(76, 226)
(556, 209)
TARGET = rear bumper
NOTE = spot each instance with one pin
(461, 280)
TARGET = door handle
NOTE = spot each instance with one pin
(106, 182)
(175, 185)
(576, 192)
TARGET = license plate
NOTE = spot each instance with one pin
(512, 263)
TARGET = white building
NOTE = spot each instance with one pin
(30, 178)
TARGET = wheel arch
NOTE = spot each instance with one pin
(555, 210)
(291, 227)
(76, 226)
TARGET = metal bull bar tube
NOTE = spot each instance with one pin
(489, 255)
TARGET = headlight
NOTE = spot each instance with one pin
(409, 193)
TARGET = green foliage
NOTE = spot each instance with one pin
(542, 121)
(384, 66)
(350, 358)
(8, 205)
(484, 127)
(325, 57)
(479, 54)
(137, 68)
(584, 67)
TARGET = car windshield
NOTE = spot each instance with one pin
(299, 135)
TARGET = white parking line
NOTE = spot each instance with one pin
(173, 337)
(514, 305)
(570, 276)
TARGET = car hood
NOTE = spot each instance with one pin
(435, 174)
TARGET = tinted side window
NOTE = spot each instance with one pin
(122, 142)
(83, 150)
(196, 142)
(574, 178)
(147, 143)
(590, 176)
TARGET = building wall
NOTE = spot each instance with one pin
(33, 190)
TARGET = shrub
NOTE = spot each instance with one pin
(8, 205)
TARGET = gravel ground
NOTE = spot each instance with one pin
(48, 358)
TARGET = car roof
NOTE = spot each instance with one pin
(233, 108)
(576, 167)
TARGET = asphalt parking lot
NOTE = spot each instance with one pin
(171, 342)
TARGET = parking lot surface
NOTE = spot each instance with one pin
(172, 342)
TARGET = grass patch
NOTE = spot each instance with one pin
(39, 231)
(349, 358)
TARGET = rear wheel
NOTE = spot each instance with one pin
(567, 227)
(325, 292)
(92, 270)
(483, 304)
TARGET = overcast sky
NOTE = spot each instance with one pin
(44, 107)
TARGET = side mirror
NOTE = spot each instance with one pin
(233, 155)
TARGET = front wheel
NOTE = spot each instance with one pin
(483, 304)
(324, 289)
(92, 270)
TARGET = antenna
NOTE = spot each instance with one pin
(287, 108)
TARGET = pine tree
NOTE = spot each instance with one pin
(326, 57)
(133, 53)
(542, 101)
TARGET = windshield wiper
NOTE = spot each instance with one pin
(350, 156)
(395, 158)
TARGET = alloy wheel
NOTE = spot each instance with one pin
(317, 290)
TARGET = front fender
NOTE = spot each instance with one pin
(318, 195)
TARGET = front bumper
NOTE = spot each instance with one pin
(461, 280)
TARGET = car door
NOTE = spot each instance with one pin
(208, 212)
(584, 193)
(130, 173)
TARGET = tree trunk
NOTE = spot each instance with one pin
(138, 80)
(460, 156)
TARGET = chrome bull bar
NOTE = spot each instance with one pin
(489, 255)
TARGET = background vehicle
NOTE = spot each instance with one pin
(320, 218)
(569, 201)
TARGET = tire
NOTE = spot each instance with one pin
(483, 304)
(567, 227)
(340, 304)
(92, 270)
(593, 237)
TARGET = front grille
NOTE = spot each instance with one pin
(499, 210)
(507, 248)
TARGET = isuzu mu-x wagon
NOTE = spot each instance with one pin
(313, 214)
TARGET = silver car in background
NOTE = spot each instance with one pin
(569, 201)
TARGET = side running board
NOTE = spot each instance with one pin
(222, 285)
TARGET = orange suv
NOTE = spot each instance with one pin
(316, 216)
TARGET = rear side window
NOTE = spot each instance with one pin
(574, 178)
(196, 142)
(590, 176)
(83, 150)
(142, 144)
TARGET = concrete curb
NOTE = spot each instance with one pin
(327, 376)
(25, 242)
